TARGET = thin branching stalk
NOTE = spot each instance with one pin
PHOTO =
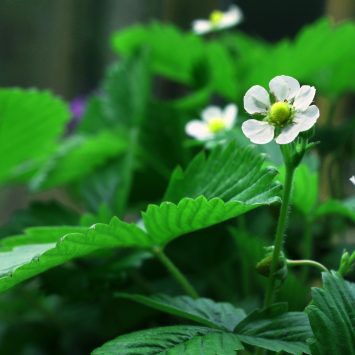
(175, 272)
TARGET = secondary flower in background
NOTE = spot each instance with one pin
(218, 20)
(352, 179)
(214, 121)
(285, 113)
(77, 109)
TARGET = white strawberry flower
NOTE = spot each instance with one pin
(352, 179)
(218, 20)
(285, 113)
(214, 121)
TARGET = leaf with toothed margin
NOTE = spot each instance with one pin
(223, 316)
(332, 316)
(42, 248)
(169, 221)
(173, 340)
(230, 173)
(230, 182)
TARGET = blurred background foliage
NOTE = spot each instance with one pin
(66, 46)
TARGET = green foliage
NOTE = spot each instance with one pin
(183, 57)
(230, 173)
(162, 223)
(174, 54)
(172, 340)
(332, 317)
(345, 208)
(276, 330)
(223, 316)
(31, 124)
(272, 329)
(305, 196)
(307, 59)
(77, 157)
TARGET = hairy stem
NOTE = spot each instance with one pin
(279, 236)
(175, 272)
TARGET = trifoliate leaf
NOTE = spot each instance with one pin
(202, 310)
(246, 187)
(332, 317)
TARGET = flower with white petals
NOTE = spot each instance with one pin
(352, 179)
(214, 121)
(285, 113)
(218, 20)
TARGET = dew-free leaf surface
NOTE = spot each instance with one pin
(31, 122)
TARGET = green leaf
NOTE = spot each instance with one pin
(276, 330)
(230, 173)
(77, 157)
(345, 208)
(31, 123)
(330, 70)
(248, 186)
(332, 317)
(43, 248)
(173, 53)
(222, 71)
(173, 340)
(202, 310)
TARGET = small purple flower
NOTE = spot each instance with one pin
(77, 108)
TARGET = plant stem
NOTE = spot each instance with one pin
(279, 236)
(306, 263)
(175, 272)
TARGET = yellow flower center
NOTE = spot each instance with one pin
(280, 113)
(216, 17)
(216, 124)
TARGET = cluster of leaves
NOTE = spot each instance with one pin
(123, 154)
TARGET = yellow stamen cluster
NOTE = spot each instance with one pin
(216, 17)
(280, 113)
(216, 125)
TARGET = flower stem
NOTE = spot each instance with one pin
(279, 236)
(306, 263)
(175, 272)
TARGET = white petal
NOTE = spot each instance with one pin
(352, 179)
(284, 87)
(232, 17)
(198, 130)
(256, 100)
(259, 132)
(201, 27)
(230, 114)
(288, 134)
(211, 112)
(306, 119)
(304, 97)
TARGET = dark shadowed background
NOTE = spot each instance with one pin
(64, 44)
